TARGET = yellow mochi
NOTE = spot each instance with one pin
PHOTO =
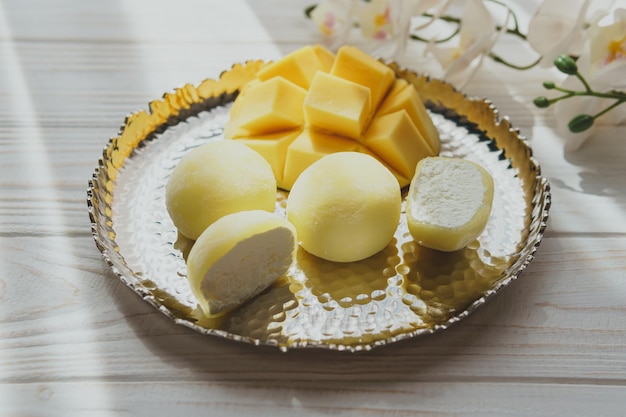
(238, 257)
(449, 203)
(214, 180)
(345, 207)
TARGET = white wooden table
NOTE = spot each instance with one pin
(75, 341)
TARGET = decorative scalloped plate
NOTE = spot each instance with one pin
(402, 292)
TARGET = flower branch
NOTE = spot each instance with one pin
(580, 122)
(461, 38)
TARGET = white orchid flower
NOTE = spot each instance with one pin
(477, 35)
(603, 65)
(334, 20)
(558, 26)
(387, 23)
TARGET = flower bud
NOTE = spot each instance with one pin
(549, 85)
(580, 123)
(541, 102)
(566, 64)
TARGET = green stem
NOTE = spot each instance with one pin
(615, 95)
(502, 61)
(420, 39)
(609, 108)
(515, 31)
(584, 81)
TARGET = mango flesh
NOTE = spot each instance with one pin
(353, 64)
(216, 179)
(449, 203)
(239, 256)
(337, 105)
(396, 140)
(345, 207)
(272, 105)
(346, 96)
(300, 66)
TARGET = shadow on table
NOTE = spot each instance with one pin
(456, 353)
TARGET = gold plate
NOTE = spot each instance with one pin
(401, 292)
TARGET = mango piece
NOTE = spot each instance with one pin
(216, 179)
(403, 181)
(355, 65)
(299, 66)
(232, 128)
(449, 203)
(345, 207)
(395, 139)
(238, 257)
(325, 56)
(309, 147)
(273, 148)
(271, 106)
(408, 99)
(342, 92)
(337, 105)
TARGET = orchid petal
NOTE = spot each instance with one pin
(556, 27)
(334, 20)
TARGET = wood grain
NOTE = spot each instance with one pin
(74, 340)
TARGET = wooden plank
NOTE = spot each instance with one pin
(317, 398)
(64, 315)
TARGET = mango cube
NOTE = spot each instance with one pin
(403, 181)
(325, 56)
(300, 66)
(309, 147)
(313, 102)
(271, 106)
(337, 105)
(353, 64)
(408, 99)
(396, 140)
(273, 148)
(232, 128)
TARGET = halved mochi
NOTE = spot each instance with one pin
(449, 202)
(238, 257)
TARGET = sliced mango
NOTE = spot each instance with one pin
(353, 64)
(309, 147)
(408, 99)
(348, 96)
(337, 105)
(273, 148)
(397, 141)
(271, 106)
(300, 66)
